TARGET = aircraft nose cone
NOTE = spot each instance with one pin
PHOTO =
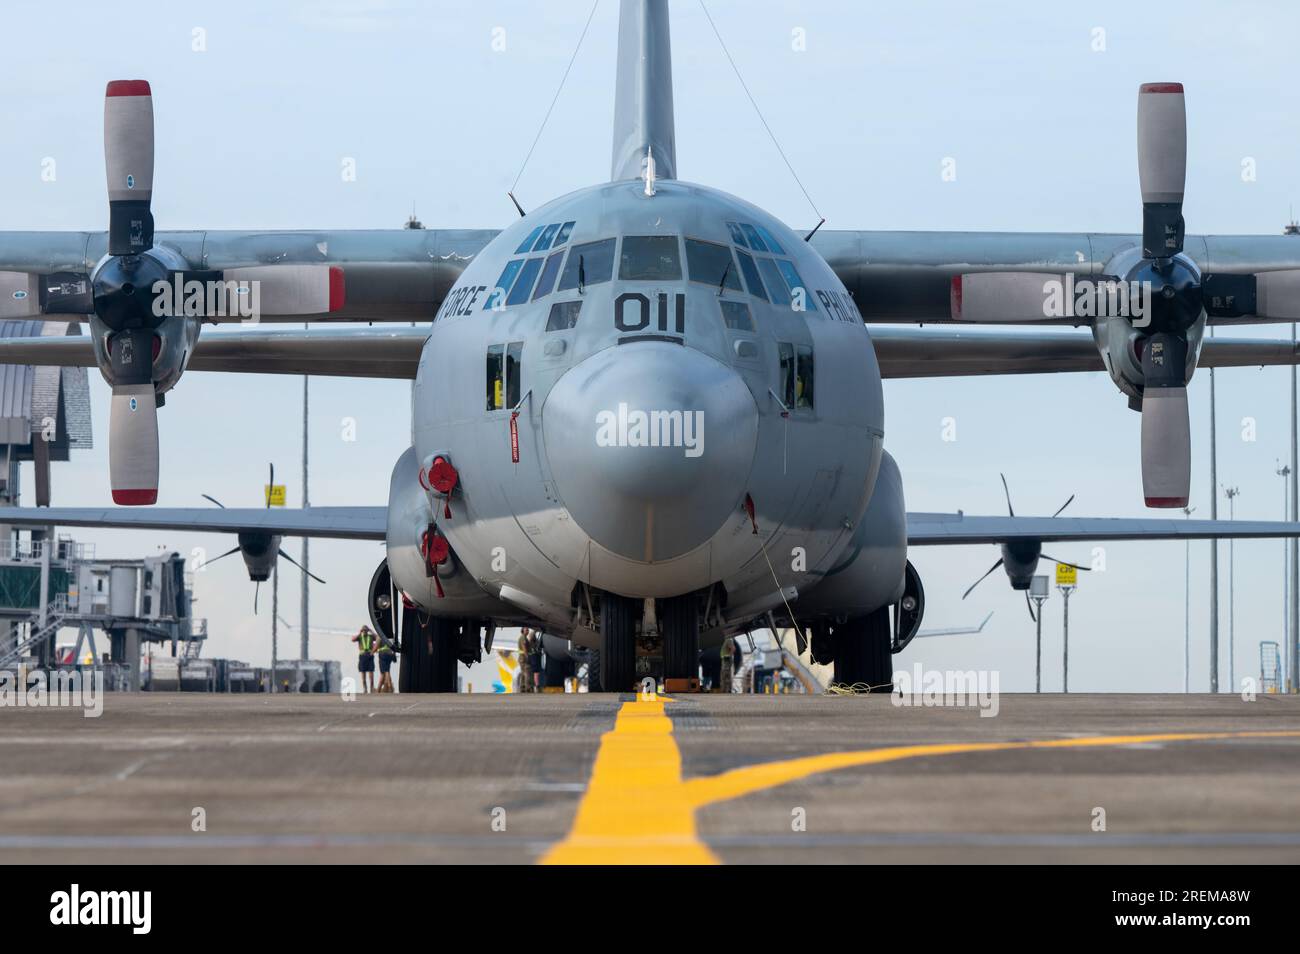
(651, 446)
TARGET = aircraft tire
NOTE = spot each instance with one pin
(863, 654)
(618, 643)
(711, 666)
(443, 654)
(556, 671)
(679, 625)
(415, 643)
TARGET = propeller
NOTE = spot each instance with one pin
(981, 579)
(1017, 556)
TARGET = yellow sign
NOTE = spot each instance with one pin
(275, 495)
(1067, 575)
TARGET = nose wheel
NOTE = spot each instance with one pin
(618, 643)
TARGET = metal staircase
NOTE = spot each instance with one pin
(55, 612)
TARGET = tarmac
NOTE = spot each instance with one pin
(611, 779)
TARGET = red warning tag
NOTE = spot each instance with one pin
(514, 438)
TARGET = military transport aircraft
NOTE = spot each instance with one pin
(647, 414)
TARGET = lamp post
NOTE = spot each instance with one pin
(1038, 591)
(1231, 493)
(1187, 608)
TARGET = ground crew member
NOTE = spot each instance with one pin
(386, 656)
(529, 660)
(365, 640)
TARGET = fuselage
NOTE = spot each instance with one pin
(619, 378)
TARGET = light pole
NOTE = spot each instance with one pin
(1187, 608)
(1284, 471)
(1231, 493)
(1066, 580)
(1038, 591)
(1214, 547)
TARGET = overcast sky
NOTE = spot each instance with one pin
(438, 104)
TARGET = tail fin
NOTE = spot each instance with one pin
(643, 97)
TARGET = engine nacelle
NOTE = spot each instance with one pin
(1120, 333)
(136, 309)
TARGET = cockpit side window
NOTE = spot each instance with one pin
(527, 244)
(796, 283)
(652, 258)
(750, 272)
(524, 283)
(547, 281)
(775, 284)
(736, 316)
(548, 233)
(588, 264)
(564, 315)
(711, 264)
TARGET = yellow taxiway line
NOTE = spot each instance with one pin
(639, 810)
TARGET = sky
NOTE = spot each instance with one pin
(259, 104)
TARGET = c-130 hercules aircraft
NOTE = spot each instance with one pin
(648, 415)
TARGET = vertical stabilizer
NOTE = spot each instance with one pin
(643, 97)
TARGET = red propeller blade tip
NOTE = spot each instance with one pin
(336, 288)
(128, 88)
(1167, 502)
(135, 498)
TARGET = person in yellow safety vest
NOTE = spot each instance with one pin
(529, 660)
(386, 657)
(365, 640)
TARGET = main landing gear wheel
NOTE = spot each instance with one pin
(679, 625)
(429, 646)
(618, 643)
(863, 656)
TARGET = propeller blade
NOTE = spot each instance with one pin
(1166, 448)
(133, 444)
(20, 294)
(1085, 569)
(1007, 490)
(1063, 506)
(292, 289)
(1029, 604)
(1166, 430)
(128, 162)
(207, 563)
(998, 297)
(257, 588)
(982, 578)
(301, 567)
(270, 487)
(1162, 167)
(28, 295)
(214, 500)
(1277, 294)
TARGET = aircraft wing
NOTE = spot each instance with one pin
(956, 630)
(340, 523)
(394, 352)
(907, 352)
(937, 529)
(389, 274)
(920, 276)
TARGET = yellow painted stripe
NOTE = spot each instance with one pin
(638, 809)
(635, 810)
(753, 778)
